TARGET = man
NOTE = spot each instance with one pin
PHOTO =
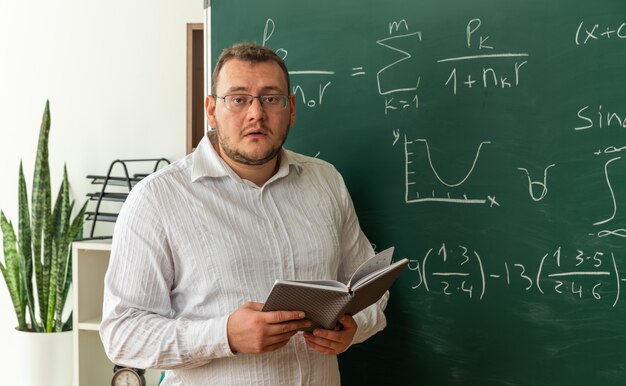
(198, 244)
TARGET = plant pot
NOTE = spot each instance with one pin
(46, 358)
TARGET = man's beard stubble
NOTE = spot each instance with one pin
(241, 158)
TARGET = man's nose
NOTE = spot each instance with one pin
(255, 110)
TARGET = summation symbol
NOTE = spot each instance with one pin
(392, 44)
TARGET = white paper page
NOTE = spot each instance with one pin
(375, 263)
(323, 284)
(374, 275)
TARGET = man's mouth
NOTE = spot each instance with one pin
(255, 133)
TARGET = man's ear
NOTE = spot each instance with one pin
(209, 108)
(292, 103)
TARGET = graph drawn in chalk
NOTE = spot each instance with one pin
(425, 184)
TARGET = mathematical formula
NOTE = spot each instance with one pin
(590, 33)
(401, 93)
(484, 51)
(460, 271)
(481, 62)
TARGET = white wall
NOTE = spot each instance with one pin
(114, 72)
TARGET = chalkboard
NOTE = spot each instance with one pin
(486, 141)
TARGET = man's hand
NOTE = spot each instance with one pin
(333, 342)
(252, 331)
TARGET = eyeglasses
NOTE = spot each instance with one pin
(240, 102)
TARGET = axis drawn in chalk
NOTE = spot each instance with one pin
(412, 194)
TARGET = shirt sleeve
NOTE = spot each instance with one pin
(138, 327)
(356, 248)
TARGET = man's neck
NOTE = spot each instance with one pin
(257, 174)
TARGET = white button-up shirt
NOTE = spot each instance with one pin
(194, 241)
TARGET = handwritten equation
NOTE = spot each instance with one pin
(482, 60)
(588, 33)
(486, 76)
(398, 81)
(460, 271)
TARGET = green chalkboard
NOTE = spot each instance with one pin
(486, 141)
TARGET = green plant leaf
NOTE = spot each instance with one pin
(10, 272)
(61, 251)
(52, 290)
(49, 251)
(67, 326)
(44, 242)
(75, 230)
(77, 224)
(40, 214)
(56, 214)
(25, 239)
(25, 247)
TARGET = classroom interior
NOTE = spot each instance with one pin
(482, 139)
(116, 76)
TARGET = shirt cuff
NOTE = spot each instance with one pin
(208, 339)
(370, 321)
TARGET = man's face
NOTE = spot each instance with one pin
(252, 136)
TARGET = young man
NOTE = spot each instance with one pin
(198, 244)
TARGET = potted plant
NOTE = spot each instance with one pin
(37, 265)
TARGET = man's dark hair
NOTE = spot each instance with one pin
(251, 53)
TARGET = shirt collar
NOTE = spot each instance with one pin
(207, 163)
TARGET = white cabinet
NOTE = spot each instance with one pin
(90, 260)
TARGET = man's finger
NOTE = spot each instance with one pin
(322, 345)
(284, 316)
(288, 328)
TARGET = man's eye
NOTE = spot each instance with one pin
(271, 99)
(237, 100)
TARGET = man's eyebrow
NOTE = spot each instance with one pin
(272, 88)
(244, 90)
(236, 89)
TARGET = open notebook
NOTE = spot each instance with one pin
(325, 301)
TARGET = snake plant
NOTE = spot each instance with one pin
(41, 247)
